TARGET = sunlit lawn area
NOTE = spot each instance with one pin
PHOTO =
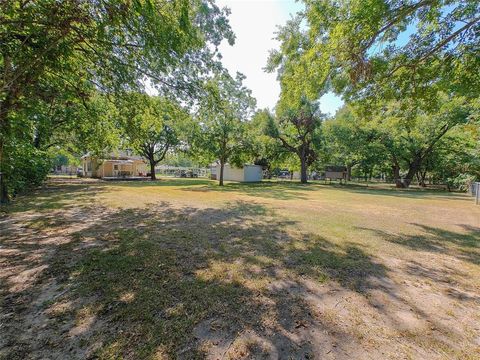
(181, 268)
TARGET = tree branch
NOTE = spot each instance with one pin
(394, 20)
(286, 144)
(437, 47)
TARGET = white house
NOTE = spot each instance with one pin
(248, 173)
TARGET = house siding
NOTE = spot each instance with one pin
(107, 169)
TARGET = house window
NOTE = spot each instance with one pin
(89, 166)
(115, 167)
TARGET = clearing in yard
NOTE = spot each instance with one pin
(186, 269)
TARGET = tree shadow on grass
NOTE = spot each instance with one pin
(446, 277)
(163, 182)
(55, 196)
(462, 245)
(286, 190)
(185, 282)
(265, 189)
(169, 281)
(411, 193)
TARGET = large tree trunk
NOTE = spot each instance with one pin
(349, 172)
(407, 180)
(303, 170)
(396, 176)
(421, 175)
(220, 180)
(412, 170)
(152, 170)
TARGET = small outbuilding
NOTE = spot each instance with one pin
(247, 173)
(336, 173)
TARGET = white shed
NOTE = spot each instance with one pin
(249, 173)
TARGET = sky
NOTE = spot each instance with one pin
(254, 23)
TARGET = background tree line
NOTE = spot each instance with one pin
(407, 72)
(74, 75)
(62, 63)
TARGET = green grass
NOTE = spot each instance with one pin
(180, 268)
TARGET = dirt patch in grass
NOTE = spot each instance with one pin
(238, 276)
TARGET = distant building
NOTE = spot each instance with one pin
(336, 173)
(116, 164)
(247, 173)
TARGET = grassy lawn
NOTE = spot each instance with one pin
(182, 268)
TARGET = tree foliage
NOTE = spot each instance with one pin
(407, 67)
(408, 142)
(390, 47)
(56, 55)
(298, 130)
(263, 149)
(352, 141)
(222, 117)
(152, 126)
